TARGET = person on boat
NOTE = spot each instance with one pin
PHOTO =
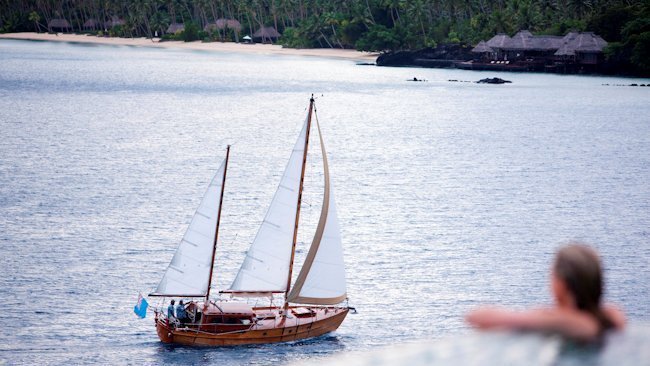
(181, 315)
(170, 312)
(578, 314)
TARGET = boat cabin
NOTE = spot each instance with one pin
(227, 316)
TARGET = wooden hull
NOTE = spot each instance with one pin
(269, 330)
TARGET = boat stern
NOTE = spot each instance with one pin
(164, 332)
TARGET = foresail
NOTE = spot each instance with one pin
(266, 266)
(322, 278)
(189, 269)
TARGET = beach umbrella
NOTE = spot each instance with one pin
(247, 38)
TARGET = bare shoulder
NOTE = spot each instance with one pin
(616, 315)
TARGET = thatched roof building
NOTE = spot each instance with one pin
(498, 41)
(115, 21)
(175, 28)
(267, 34)
(222, 23)
(228, 23)
(586, 42)
(526, 41)
(482, 47)
(584, 49)
(59, 24)
(91, 24)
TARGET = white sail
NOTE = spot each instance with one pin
(322, 277)
(189, 269)
(266, 266)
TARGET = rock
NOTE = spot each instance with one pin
(493, 81)
(445, 55)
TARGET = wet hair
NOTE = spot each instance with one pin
(579, 267)
(172, 302)
(181, 302)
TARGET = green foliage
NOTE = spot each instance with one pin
(34, 17)
(374, 25)
(632, 50)
(567, 25)
(378, 38)
(452, 37)
(351, 31)
(117, 31)
(191, 32)
(641, 52)
(611, 21)
(294, 38)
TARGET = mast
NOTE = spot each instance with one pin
(216, 233)
(302, 180)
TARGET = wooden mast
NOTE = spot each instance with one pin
(295, 228)
(216, 232)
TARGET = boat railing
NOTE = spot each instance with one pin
(196, 327)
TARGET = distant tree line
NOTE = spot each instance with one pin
(371, 25)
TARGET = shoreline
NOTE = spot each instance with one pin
(228, 47)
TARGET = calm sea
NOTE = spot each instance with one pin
(450, 194)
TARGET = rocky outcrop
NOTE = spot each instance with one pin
(442, 56)
(493, 81)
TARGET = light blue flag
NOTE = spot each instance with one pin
(140, 308)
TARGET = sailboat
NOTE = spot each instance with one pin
(311, 306)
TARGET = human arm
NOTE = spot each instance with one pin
(567, 322)
(615, 315)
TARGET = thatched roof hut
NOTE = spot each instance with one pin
(526, 41)
(91, 24)
(115, 21)
(267, 34)
(222, 23)
(482, 47)
(498, 41)
(175, 28)
(586, 42)
(59, 24)
(228, 23)
(519, 41)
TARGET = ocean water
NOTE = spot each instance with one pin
(450, 194)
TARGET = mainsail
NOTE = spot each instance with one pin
(322, 277)
(266, 266)
(189, 270)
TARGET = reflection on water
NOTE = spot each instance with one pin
(449, 194)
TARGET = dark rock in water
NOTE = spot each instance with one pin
(493, 81)
(445, 55)
(634, 84)
(416, 79)
(366, 64)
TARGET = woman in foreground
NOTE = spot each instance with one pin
(577, 287)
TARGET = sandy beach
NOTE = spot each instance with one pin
(231, 47)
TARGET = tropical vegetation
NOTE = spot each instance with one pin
(372, 25)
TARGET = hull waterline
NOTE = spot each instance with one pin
(269, 330)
